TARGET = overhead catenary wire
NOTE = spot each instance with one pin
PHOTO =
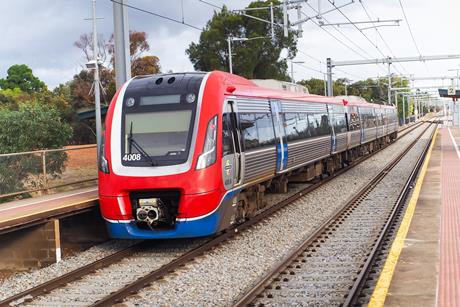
(157, 15)
(366, 56)
(381, 37)
(211, 4)
(411, 34)
(360, 31)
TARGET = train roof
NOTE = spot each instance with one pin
(239, 86)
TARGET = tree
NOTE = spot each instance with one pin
(85, 44)
(34, 126)
(145, 65)
(316, 86)
(141, 63)
(258, 58)
(21, 76)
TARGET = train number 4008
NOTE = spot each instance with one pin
(132, 157)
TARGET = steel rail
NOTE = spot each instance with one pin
(359, 283)
(130, 289)
(71, 276)
(118, 296)
(250, 296)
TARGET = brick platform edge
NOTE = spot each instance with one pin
(449, 279)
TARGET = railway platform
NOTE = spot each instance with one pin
(38, 231)
(423, 266)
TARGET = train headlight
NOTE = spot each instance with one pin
(130, 102)
(208, 156)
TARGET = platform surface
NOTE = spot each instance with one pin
(24, 212)
(427, 272)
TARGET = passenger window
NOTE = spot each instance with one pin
(302, 126)
(313, 125)
(265, 129)
(227, 142)
(257, 130)
(249, 131)
(290, 126)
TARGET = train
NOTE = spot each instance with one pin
(191, 154)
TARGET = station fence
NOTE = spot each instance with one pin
(38, 171)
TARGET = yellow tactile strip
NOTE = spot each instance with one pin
(383, 284)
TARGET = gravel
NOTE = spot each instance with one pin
(92, 288)
(219, 277)
(22, 281)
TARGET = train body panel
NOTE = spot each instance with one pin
(183, 152)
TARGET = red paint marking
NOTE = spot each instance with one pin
(449, 278)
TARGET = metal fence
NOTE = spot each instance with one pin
(39, 171)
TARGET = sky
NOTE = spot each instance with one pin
(41, 34)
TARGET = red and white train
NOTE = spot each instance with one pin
(189, 154)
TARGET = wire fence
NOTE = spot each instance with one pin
(39, 171)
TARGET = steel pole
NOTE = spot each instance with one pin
(271, 21)
(396, 102)
(121, 39)
(97, 98)
(229, 40)
(404, 109)
(292, 71)
(389, 83)
(329, 77)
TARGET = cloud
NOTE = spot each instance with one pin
(41, 34)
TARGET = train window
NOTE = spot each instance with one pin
(340, 123)
(249, 131)
(354, 122)
(318, 124)
(257, 130)
(313, 124)
(227, 142)
(302, 126)
(265, 129)
(290, 126)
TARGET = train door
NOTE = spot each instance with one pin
(331, 110)
(281, 141)
(231, 147)
(347, 121)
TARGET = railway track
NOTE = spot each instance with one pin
(332, 265)
(180, 258)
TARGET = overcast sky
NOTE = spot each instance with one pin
(41, 34)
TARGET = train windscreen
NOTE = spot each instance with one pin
(158, 117)
(159, 135)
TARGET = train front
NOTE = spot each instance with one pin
(159, 172)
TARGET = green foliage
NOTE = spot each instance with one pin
(258, 58)
(316, 86)
(32, 127)
(21, 76)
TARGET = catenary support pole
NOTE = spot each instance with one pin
(97, 97)
(229, 40)
(329, 77)
(404, 109)
(271, 22)
(121, 38)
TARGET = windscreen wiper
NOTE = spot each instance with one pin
(136, 145)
